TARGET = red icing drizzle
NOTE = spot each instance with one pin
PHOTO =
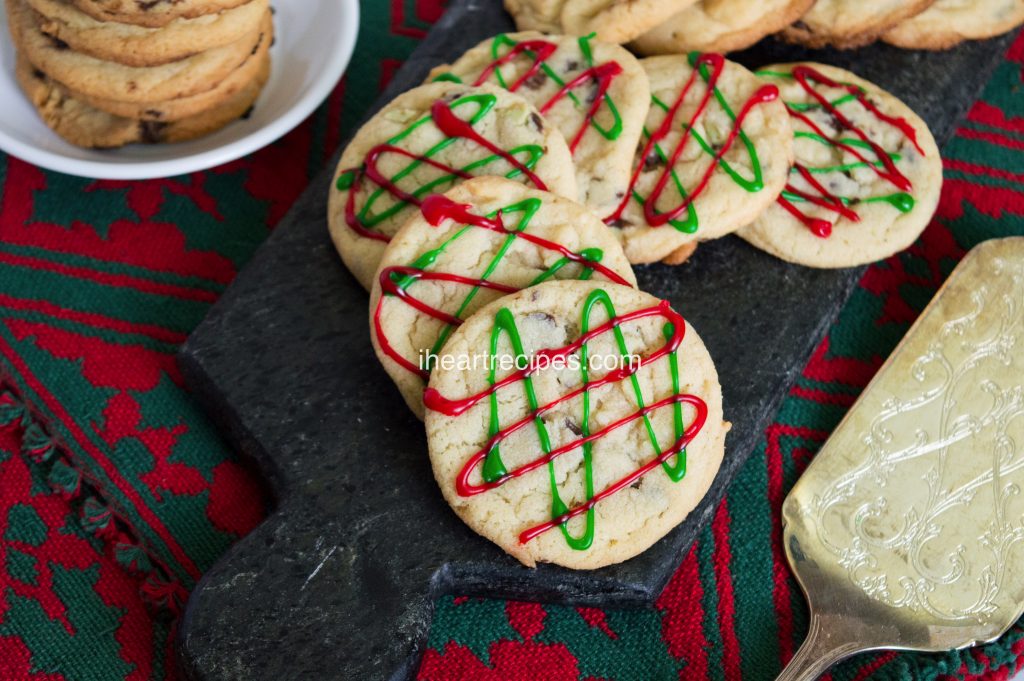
(372, 173)
(889, 172)
(436, 209)
(822, 228)
(716, 63)
(803, 73)
(542, 50)
(389, 287)
(691, 432)
(452, 126)
(455, 407)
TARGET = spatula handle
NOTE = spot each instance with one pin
(819, 651)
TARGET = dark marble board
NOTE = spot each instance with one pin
(340, 580)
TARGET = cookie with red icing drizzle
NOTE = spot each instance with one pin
(715, 152)
(595, 93)
(482, 240)
(576, 422)
(867, 176)
(426, 141)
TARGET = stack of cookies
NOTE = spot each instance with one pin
(105, 73)
(495, 214)
(679, 26)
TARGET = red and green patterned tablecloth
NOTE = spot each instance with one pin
(116, 494)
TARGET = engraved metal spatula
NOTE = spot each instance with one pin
(907, 530)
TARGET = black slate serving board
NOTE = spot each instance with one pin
(340, 581)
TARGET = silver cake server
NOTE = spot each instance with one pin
(907, 530)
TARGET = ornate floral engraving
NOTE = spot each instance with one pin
(922, 508)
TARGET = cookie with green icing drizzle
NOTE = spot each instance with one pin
(595, 93)
(714, 154)
(867, 175)
(588, 427)
(482, 240)
(425, 142)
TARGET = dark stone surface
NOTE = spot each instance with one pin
(340, 580)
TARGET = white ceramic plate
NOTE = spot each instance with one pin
(313, 46)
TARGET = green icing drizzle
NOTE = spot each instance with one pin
(484, 103)
(691, 223)
(494, 468)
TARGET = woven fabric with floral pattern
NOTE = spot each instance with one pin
(116, 494)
